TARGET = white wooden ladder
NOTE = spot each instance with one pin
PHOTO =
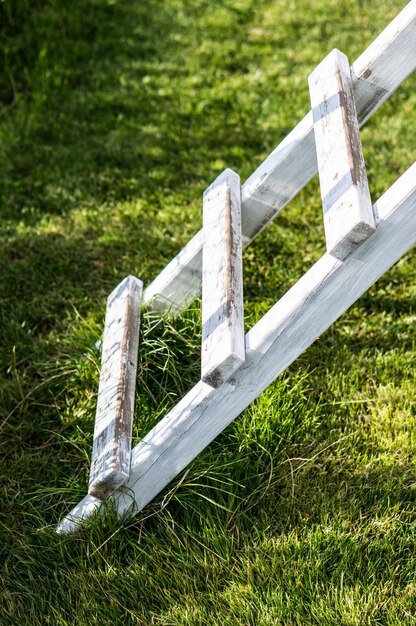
(363, 241)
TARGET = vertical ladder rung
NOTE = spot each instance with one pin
(110, 462)
(223, 349)
(348, 212)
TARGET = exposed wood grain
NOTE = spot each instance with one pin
(375, 75)
(291, 325)
(222, 350)
(346, 201)
(110, 462)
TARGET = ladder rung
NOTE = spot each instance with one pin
(348, 212)
(110, 462)
(222, 281)
(279, 337)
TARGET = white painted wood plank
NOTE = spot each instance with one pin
(222, 350)
(291, 325)
(378, 72)
(346, 200)
(110, 462)
(180, 281)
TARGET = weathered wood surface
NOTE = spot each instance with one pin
(378, 72)
(222, 350)
(291, 325)
(110, 462)
(346, 200)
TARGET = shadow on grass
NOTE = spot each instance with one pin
(115, 111)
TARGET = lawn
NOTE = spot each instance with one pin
(115, 115)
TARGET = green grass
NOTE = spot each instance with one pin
(115, 116)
